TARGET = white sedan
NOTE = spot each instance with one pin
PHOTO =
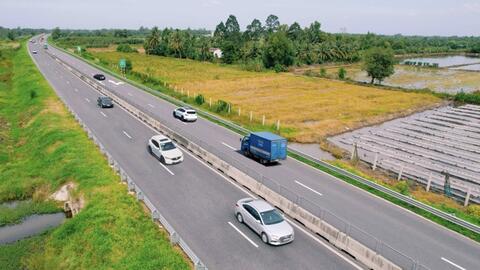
(164, 149)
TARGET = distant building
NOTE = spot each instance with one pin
(217, 53)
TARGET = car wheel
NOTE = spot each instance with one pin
(174, 115)
(162, 160)
(239, 218)
(264, 238)
(183, 118)
(150, 150)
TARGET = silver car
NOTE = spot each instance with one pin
(265, 220)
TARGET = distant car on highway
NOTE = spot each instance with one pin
(185, 114)
(99, 77)
(34, 52)
(105, 102)
(45, 47)
(164, 149)
(265, 220)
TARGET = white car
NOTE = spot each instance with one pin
(185, 114)
(265, 220)
(34, 52)
(164, 149)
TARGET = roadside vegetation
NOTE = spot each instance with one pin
(42, 148)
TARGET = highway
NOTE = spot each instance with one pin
(196, 200)
(419, 239)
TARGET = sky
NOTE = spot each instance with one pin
(407, 17)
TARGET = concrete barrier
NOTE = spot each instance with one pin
(337, 238)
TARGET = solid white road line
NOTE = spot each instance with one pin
(101, 83)
(242, 234)
(151, 105)
(452, 263)
(165, 167)
(231, 147)
(104, 115)
(88, 100)
(309, 188)
(126, 134)
(116, 83)
(76, 90)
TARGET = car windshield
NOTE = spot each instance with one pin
(271, 217)
(168, 146)
(107, 100)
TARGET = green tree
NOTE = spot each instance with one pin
(379, 63)
(294, 31)
(220, 31)
(254, 30)
(272, 23)
(278, 51)
(56, 33)
(11, 35)
(152, 42)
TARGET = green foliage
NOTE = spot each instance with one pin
(323, 72)
(128, 65)
(33, 94)
(40, 132)
(222, 106)
(200, 99)
(342, 73)
(11, 35)
(471, 98)
(56, 33)
(402, 187)
(278, 51)
(126, 48)
(10, 215)
(379, 63)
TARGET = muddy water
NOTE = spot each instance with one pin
(30, 226)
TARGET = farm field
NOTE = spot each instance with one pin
(310, 108)
(438, 80)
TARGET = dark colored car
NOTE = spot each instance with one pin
(105, 102)
(99, 77)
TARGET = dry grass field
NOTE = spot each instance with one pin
(311, 108)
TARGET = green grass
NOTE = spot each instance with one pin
(42, 147)
(12, 215)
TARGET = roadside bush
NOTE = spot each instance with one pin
(33, 94)
(126, 48)
(200, 99)
(342, 73)
(253, 65)
(402, 187)
(279, 68)
(471, 98)
(128, 65)
(323, 72)
(222, 106)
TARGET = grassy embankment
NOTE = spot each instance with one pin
(309, 109)
(42, 147)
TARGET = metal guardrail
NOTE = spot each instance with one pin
(377, 246)
(175, 238)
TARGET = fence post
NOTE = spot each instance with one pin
(263, 120)
(210, 102)
(375, 162)
(251, 116)
(429, 182)
(400, 173)
(188, 93)
(278, 124)
(467, 198)
(239, 111)
(229, 107)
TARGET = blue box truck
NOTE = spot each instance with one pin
(264, 146)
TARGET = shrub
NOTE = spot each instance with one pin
(200, 99)
(323, 72)
(402, 187)
(33, 94)
(125, 48)
(472, 98)
(222, 106)
(279, 68)
(342, 73)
